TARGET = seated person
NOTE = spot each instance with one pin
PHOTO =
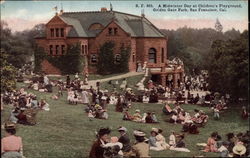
(127, 116)
(11, 145)
(193, 129)
(137, 116)
(173, 118)
(145, 99)
(154, 118)
(211, 143)
(167, 109)
(149, 118)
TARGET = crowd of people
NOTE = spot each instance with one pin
(234, 146)
(26, 105)
(106, 146)
(190, 123)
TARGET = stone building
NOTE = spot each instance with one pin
(93, 28)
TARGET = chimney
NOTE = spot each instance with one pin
(104, 9)
(61, 12)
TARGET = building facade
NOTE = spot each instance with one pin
(93, 29)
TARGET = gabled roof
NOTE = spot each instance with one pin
(136, 26)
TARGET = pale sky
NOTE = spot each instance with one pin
(21, 15)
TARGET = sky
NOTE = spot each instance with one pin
(21, 15)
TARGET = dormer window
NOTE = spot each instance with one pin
(110, 31)
(52, 33)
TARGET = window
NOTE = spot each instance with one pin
(86, 49)
(93, 59)
(57, 32)
(117, 58)
(62, 32)
(83, 49)
(162, 55)
(51, 49)
(152, 55)
(63, 49)
(115, 31)
(110, 31)
(52, 33)
(57, 49)
(133, 57)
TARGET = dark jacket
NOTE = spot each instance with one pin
(125, 142)
(96, 150)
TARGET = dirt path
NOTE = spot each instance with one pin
(129, 74)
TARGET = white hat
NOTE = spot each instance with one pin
(122, 129)
(137, 110)
(155, 130)
(139, 133)
(103, 97)
(239, 149)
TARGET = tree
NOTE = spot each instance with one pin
(105, 64)
(125, 55)
(218, 26)
(8, 73)
(228, 70)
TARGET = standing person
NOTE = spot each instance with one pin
(124, 139)
(85, 97)
(139, 67)
(46, 80)
(68, 81)
(140, 149)
(11, 145)
(97, 149)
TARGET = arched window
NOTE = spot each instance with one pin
(152, 55)
(93, 59)
(117, 58)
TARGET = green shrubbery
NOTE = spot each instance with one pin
(70, 63)
(106, 61)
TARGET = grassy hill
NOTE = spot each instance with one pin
(65, 130)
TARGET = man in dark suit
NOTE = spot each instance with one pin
(97, 150)
(124, 139)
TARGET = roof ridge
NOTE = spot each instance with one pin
(85, 12)
(128, 14)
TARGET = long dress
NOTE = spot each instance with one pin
(85, 98)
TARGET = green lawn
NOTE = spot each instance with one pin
(65, 130)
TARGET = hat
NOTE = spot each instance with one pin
(9, 125)
(139, 133)
(99, 108)
(155, 130)
(103, 97)
(122, 129)
(22, 109)
(239, 149)
(137, 110)
(103, 131)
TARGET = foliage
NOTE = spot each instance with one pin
(228, 69)
(105, 64)
(123, 65)
(19, 45)
(195, 44)
(8, 73)
(70, 63)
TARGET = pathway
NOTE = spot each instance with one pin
(129, 74)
